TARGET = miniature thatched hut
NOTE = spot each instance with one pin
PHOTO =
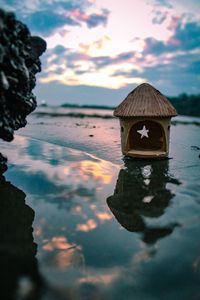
(145, 118)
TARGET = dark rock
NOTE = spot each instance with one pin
(3, 164)
(17, 248)
(19, 63)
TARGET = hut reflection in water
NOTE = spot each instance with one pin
(141, 192)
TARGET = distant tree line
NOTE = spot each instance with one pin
(70, 105)
(188, 105)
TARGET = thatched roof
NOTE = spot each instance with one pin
(146, 101)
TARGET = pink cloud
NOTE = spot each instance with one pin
(174, 22)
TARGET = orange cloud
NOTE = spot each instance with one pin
(70, 258)
(90, 225)
(174, 42)
(174, 22)
(92, 20)
(99, 171)
(59, 242)
(102, 278)
(76, 210)
(104, 216)
(94, 48)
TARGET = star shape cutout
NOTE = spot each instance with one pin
(143, 132)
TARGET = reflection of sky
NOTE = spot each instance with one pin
(70, 172)
(77, 233)
(74, 188)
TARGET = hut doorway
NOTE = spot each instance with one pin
(147, 135)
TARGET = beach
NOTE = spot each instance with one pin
(106, 227)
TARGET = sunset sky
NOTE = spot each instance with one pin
(99, 50)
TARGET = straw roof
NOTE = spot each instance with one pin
(146, 101)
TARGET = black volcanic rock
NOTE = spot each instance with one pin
(19, 62)
(17, 247)
(3, 164)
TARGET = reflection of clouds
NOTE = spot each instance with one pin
(24, 152)
(76, 210)
(89, 225)
(37, 231)
(98, 171)
(63, 254)
(196, 264)
(59, 242)
(22, 141)
(69, 259)
(77, 183)
(104, 216)
(62, 230)
(61, 173)
(142, 256)
(105, 278)
(141, 269)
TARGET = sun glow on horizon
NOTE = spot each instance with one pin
(137, 36)
(109, 43)
(99, 79)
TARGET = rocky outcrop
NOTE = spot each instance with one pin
(19, 63)
(3, 164)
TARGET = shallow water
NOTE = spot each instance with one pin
(98, 136)
(105, 228)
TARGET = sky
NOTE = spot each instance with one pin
(100, 50)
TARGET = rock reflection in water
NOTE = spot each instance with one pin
(141, 192)
(17, 248)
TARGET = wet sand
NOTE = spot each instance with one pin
(105, 228)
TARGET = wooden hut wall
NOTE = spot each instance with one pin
(127, 124)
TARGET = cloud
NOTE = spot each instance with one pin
(45, 22)
(29, 6)
(189, 36)
(102, 61)
(92, 20)
(162, 3)
(171, 74)
(181, 73)
(45, 17)
(163, 63)
(153, 46)
(74, 59)
(159, 17)
(186, 37)
(174, 22)
(78, 68)
(97, 19)
(59, 50)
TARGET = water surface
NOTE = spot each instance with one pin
(103, 227)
